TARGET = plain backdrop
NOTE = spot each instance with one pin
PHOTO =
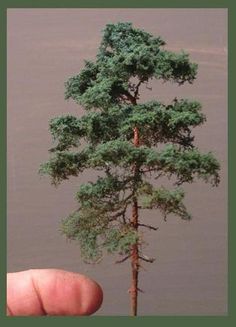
(45, 47)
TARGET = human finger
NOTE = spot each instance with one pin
(51, 292)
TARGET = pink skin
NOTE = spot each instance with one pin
(52, 292)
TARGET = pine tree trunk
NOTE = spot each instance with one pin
(134, 263)
(135, 249)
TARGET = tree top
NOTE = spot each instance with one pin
(126, 53)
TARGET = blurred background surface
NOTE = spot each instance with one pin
(45, 47)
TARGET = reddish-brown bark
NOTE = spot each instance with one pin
(135, 249)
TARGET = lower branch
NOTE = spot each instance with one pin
(134, 262)
(146, 259)
(123, 259)
(149, 226)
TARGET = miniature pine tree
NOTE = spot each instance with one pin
(127, 142)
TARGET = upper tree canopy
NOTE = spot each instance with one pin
(124, 53)
(108, 89)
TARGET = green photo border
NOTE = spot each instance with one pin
(107, 320)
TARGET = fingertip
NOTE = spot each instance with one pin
(68, 293)
(52, 292)
(92, 294)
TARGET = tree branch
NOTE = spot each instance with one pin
(124, 259)
(148, 87)
(149, 226)
(136, 94)
(130, 97)
(150, 170)
(124, 99)
(146, 259)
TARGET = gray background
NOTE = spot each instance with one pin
(45, 47)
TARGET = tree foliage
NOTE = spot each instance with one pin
(102, 139)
